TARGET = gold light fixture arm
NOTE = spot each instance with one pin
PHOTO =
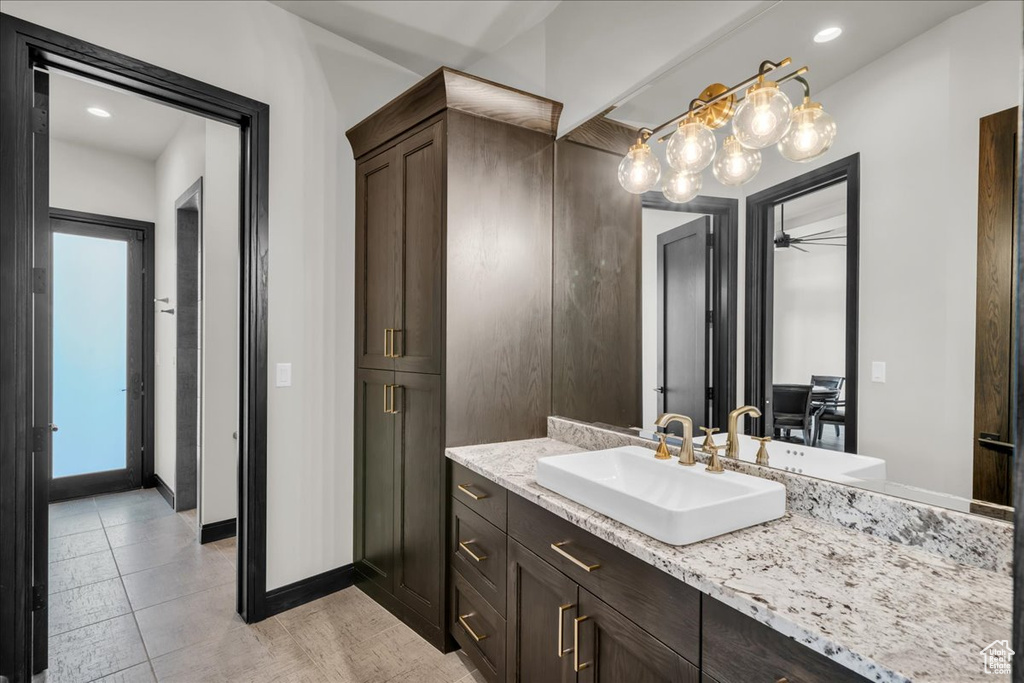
(716, 94)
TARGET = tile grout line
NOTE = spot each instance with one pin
(131, 607)
(304, 651)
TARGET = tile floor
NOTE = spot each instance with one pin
(134, 597)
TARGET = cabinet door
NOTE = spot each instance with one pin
(377, 234)
(541, 609)
(374, 478)
(613, 649)
(420, 498)
(420, 171)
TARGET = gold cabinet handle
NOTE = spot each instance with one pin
(465, 548)
(576, 666)
(387, 354)
(387, 409)
(464, 489)
(470, 631)
(561, 629)
(557, 547)
(394, 410)
(394, 354)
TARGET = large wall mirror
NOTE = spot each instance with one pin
(863, 300)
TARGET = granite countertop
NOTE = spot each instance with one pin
(887, 611)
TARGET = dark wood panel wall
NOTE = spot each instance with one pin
(498, 327)
(596, 309)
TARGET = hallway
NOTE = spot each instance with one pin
(134, 597)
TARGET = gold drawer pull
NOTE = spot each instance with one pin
(389, 343)
(470, 631)
(465, 548)
(464, 488)
(561, 629)
(557, 547)
(782, 680)
(576, 666)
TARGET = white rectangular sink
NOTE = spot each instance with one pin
(671, 502)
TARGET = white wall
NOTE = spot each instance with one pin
(809, 321)
(317, 85)
(94, 180)
(913, 116)
(218, 480)
(178, 166)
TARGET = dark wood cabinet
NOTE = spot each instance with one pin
(542, 606)
(374, 478)
(612, 648)
(452, 319)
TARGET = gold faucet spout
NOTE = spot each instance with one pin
(686, 450)
(732, 444)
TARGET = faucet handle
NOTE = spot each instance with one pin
(662, 452)
(715, 464)
(709, 441)
(762, 452)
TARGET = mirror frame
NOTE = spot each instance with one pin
(760, 269)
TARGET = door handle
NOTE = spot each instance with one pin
(53, 427)
(992, 441)
(660, 390)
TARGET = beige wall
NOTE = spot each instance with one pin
(317, 85)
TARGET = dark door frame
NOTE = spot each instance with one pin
(760, 273)
(1018, 419)
(25, 47)
(79, 485)
(724, 214)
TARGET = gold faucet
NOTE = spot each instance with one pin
(709, 440)
(762, 452)
(686, 450)
(732, 443)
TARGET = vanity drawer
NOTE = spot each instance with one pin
(477, 628)
(665, 607)
(738, 649)
(478, 553)
(479, 494)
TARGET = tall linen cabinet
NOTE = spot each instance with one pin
(453, 314)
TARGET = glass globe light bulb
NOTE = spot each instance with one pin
(680, 187)
(736, 164)
(639, 170)
(812, 133)
(692, 147)
(763, 117)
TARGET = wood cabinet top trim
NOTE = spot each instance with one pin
(450, 89)
(603, 134)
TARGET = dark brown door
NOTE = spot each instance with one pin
(541, 611)
(682, 320)
(421, 175)
(377, 226)
(613, 649)
(997, 253)
(419, 547)
(375, 477)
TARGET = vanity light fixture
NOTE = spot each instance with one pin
(761, 116)
(640, 170)
(829, 34)
(101, 113)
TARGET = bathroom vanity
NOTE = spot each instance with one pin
(545, 589)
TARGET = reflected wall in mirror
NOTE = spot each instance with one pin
(874, 305)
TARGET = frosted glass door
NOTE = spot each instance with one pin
(90, 354)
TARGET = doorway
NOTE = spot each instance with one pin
(97, 346)
(30, 52)
(685, 327)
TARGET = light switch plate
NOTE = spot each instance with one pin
(878, 371)
(284, 374)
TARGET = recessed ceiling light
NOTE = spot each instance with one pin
(827, 34)
(96, 111)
